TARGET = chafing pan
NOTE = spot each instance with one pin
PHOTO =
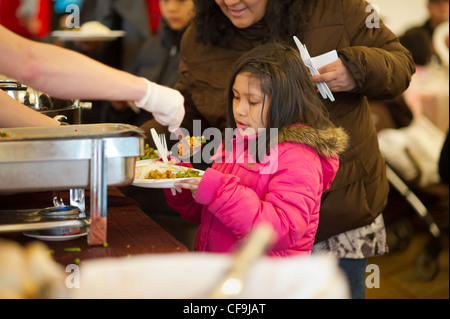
(64, 110)
(71, 157)
(53, 158)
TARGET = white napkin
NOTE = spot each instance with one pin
(324, 59)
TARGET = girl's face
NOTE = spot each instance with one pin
(248, 104)
(177, 13)
(243, 13)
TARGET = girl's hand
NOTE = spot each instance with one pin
(337, 77)
(191, 184)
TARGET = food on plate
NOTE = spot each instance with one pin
(94, 27)
(4, 134)
(149, 153)
(193, 141)
(168, 174)
(158, 170)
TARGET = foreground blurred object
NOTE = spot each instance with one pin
(29, 272)
(169, 276)
(258, 242)
(71, 157)
(28, 18)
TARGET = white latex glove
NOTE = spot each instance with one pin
(166, 105)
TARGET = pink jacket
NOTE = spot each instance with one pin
(285, 189)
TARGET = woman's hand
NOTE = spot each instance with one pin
(337, 77)
(191, 184)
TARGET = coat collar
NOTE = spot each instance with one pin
(329, 142)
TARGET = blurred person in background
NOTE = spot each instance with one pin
(371, 64)
(438, 11)
(159, 57)
(28, 18)
(428, 92)
(158, 61)
(140, 20)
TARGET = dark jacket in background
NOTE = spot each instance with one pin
(158, 61)
(381, 67)
(129, 16)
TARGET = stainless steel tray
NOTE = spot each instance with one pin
(56, 158)
(46, 219)
(71, 157)
(71, 132)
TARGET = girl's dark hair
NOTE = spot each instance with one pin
(285, 16)
(284, 78)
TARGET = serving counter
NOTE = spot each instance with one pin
(159, 266)
(130, 231)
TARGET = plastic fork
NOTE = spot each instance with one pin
(162, 137)
(323, 87)
(159, 145)
(307, 60)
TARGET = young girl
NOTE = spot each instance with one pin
(270, 91)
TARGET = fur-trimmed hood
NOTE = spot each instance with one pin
(326, 142)
(330, 142)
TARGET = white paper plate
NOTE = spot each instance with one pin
(87, 36)
(143, 167)
(35, 234)
(158, 183)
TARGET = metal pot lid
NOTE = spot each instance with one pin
(12, 85)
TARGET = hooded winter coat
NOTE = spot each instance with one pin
(283, 189)
(380, 65)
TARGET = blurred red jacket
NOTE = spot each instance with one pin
(42, 19)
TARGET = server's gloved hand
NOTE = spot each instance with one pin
(166, 105)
